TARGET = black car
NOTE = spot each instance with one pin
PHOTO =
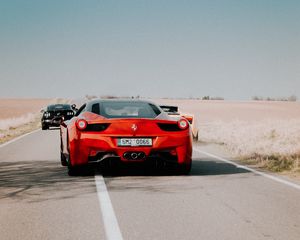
(53, 114)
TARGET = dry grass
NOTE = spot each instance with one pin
(263, 133)
(11, 123)
(19, 116)
(265, 138)
(275, 163)
(14, 132)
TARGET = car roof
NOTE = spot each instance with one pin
(100, 100)
(59, 104)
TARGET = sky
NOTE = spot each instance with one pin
(235, 49)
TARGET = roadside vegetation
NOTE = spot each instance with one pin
(212, 98)
(12, 123)
(14, 127)
(291, 98)
(271, 144)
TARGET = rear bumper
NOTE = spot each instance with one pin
(90, 148)
(54, 122)
(50, 123)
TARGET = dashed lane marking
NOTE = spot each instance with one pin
(111, 225)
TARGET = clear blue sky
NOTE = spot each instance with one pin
(234, 49)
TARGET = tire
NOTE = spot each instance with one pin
(83, 170)
(73, 171)
(184, 169)
(80, 170)
(45, 127)
(195, 138)
(63, 160)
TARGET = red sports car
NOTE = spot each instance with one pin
(126, 131)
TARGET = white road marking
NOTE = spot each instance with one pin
(111, 225)
(277, 179)
(18, 138)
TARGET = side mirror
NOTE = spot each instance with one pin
(73, 106)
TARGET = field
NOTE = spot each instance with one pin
(18, 116)
(263, 133)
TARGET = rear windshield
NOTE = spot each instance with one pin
(58, 107)
(123, 109)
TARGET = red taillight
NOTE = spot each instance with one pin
(183, 124)
(81, 124)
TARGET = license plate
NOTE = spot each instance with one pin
(134, 142)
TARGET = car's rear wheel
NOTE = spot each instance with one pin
(73, 171)
(195, 137)
(185, 169)
(79, 170)
(45, 127)
(63, 159)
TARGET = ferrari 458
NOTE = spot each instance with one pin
(126, 131)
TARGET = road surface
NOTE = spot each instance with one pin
(218, 200)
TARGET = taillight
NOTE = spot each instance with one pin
(190, 119)
(81, 124)
(183, 124)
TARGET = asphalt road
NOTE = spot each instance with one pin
(218, 200)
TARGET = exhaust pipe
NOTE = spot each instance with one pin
(134, 155)
(127, 155)
(141, 155)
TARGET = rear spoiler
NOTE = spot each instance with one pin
(169, 109)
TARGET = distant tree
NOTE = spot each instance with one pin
(90, 97)
(256, 98)
(216, 98)
(292, 98)
(108, 96)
